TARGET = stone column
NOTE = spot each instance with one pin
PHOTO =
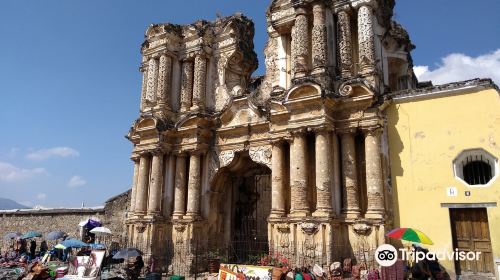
(141, 199)
(152, 80)
(156, 183)
(298, 176)
(337, 184)
(374, 179)
(180, 187)
(144, 89)
(319, 39)
(168, 194)
(345, 44)
(187, 85)
(277, 180)
(164, 81)
(194, 186)
(199, 85)
(350, 176)
(366, 44)
(134, 183)
(300, 44)
(323, 173)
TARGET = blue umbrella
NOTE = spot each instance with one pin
(74, 243)
(97, 246)
(54, 235)
(31, 234)
(12, 235)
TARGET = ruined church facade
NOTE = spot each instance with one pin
(295, 160)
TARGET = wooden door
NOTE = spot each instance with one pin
(471, 234)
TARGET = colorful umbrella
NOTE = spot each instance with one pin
(60, 246)
(410, 234)
(31, 234)
(97, 246)
(54, 235)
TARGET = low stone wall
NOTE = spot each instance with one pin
(112, 215)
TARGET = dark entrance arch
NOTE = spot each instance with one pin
(241, 205)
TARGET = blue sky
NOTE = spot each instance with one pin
(70, 85)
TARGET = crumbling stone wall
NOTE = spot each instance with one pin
(112, 215)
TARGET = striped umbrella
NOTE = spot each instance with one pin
(410, 234)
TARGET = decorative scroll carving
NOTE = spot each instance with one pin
(144, 87)
(261, 155)
(345, 46)
(319, 46)
(187, 85)
(309, 228)
(365, 39)
(164, 79)
(152, 80)
(200, 76)
(300, 46)
(345, 90)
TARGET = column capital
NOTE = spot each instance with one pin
(322, 130)
(344, 8)
(372, 130)
(157, 151)
(277, 142)
(347, 130)
(360, 3)
(298, 132)
(135, 157)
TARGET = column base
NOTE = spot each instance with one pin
(318, 70)
(374, 214)
(352, 214)
(299, 213)
(327, 213)
(177, 216)
(192, 217)
(277, 213)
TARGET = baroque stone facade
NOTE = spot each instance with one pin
(294, 158)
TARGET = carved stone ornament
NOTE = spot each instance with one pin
(345, 90)
(283, 228)
(362, 229)
(226, 157)
(180, 228)
(309, 228)
(141, 227)
(261, 155)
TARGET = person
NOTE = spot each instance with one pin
(298, 274)
(32, 248)
(137, 266)
(43, 248)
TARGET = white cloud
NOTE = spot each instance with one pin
(41, 196)
(44, 154)
(458, 67)
(76, 181)
(11, 173)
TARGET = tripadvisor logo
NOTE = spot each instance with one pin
(387, 255)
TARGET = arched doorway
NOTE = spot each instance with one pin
(241, 205)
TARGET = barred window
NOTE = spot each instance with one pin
(476, 167)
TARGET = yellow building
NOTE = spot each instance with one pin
(444, 149)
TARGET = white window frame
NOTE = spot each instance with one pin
(458, 171)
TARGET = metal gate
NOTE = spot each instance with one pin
(253, 206)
